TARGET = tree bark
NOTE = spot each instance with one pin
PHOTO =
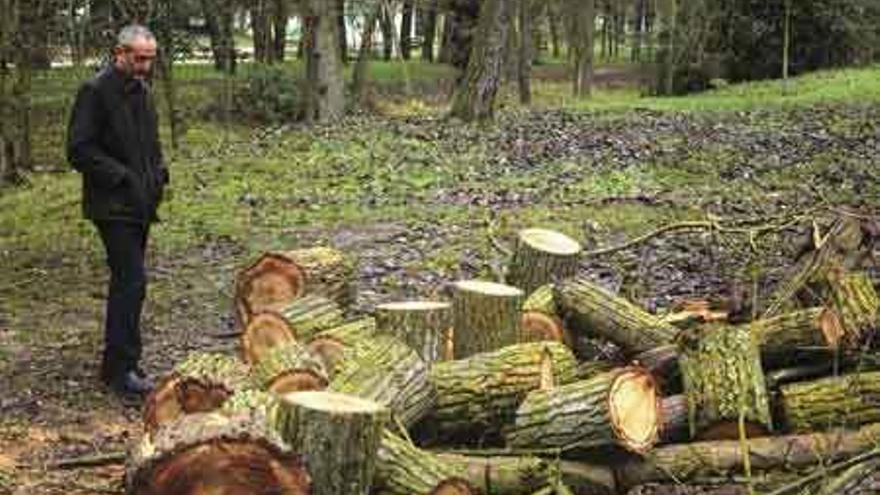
(289, 367)
(338, 436)
(675, 416)
(843, 401)
(592, 310)
(342, 30)
(583, 17)
(813, 328)
(262, 31)
(475, 97)
(429, 29)
(359, 79)
(311, 314)
(325, 85)
(541, 257)
(526, 51)
(423, 325)
(855, 301)
(386, 23)
(621, 407)
(486, 317)
(406, 25)
(201, 383)
(330, 345)
(542, 300)
(280, 18)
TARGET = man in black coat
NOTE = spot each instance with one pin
(113, 141)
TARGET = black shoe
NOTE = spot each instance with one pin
(131, 383)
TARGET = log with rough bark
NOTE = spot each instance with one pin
(723, 379)
(592, 310)
(621, 407)
(201, 383)
(541, 300)
(289, 367)
(329, 345)
(255, 402)
(453, 486)
(675, 416)
(538, 327)
(684, 463)
(812, 328)
(502, 475)
(834, 251)
(662, 363)
(541, 257)
(277, 278)
(423, 325)
(861, 479)
(677, 489)
(842, 401)
(387, 371)
(338, 436)
(855, 301)
(478, 395)
(214, 453)
(486, 317)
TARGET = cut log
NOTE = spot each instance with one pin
(478, 395)
(592, 310)
(675, 416)
(338, 436)
(423, 325)
(542, 257)
(692, 312)
(662, 363)
(453, 486)
(621, 407)
(813, 328)
(486, 317)
(503, 475)
(841, 244)
(387, 371)
(539, 327)
(723, 379)
(724, 459)
(257, 403)
(289, 367)
(329, 345)
(542, 301)
(201, 383)
(264, 330)
(404, 469)
(311, 314)
(676, 489)
(277, 278)
(843, 401)
(217, 454)
(855, 301)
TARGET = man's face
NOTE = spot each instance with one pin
(136, 59)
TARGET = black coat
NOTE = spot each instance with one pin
(113, 141)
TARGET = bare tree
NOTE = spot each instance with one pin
(325, 88)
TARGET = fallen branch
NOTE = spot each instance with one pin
(94, 460)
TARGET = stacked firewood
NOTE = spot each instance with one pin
(487, 394)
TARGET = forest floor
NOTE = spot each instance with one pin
(419, 199)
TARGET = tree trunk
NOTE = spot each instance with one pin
(542, 257)
(167, 53)
(423, 325)
(486, 317)
(583, 17)
(638, 31)
(359, 83)
(620, 408)
(289, 367)
(406, 25)
(277, 278)
(526, 51)
(479, 395)
(261, 30)
(685, 463)
(429, 29)
(338, 436)
(724, 383)
(325, 85)
(281, 16)
(385, 370)
(666, 56)
(591, 310)
(842, 401)
(343, 31)
(386, 23)
(330, 345)
(210, 451)
(475, 96)
(553, 24)
(201, 383)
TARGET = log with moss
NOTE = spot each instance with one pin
(215, 453)
(542, 301)
(277, 278)
(486, 317)
(684, 463)
(200, 383)
(338, 436)
(541, 257)
(621, 407)
(479, 395)
(812, 328)
(423, 325)
(854, 300)
(386, 370)
(591, 310)
(723, 379)
(842, 401)
(289, 367)
(330, 345)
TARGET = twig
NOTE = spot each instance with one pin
(88, 461)
(504, 452)
(819, 474)
(697, 225)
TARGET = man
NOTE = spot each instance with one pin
(113, 142)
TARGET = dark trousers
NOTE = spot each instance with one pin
(125, 244)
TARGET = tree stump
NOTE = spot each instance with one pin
(423, 325)
(723, 378)
(592, 310)
(338, 436)
(201, 383)
(330, 345)
(478, 395)
(621, 407)
(217, 454)
(289, 367)
(541, 257)
(487, 317)
(840, 401)
(277, 278)
(385, 370)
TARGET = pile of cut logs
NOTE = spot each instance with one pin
(487, 393)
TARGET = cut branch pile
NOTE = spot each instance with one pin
(484, 394)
